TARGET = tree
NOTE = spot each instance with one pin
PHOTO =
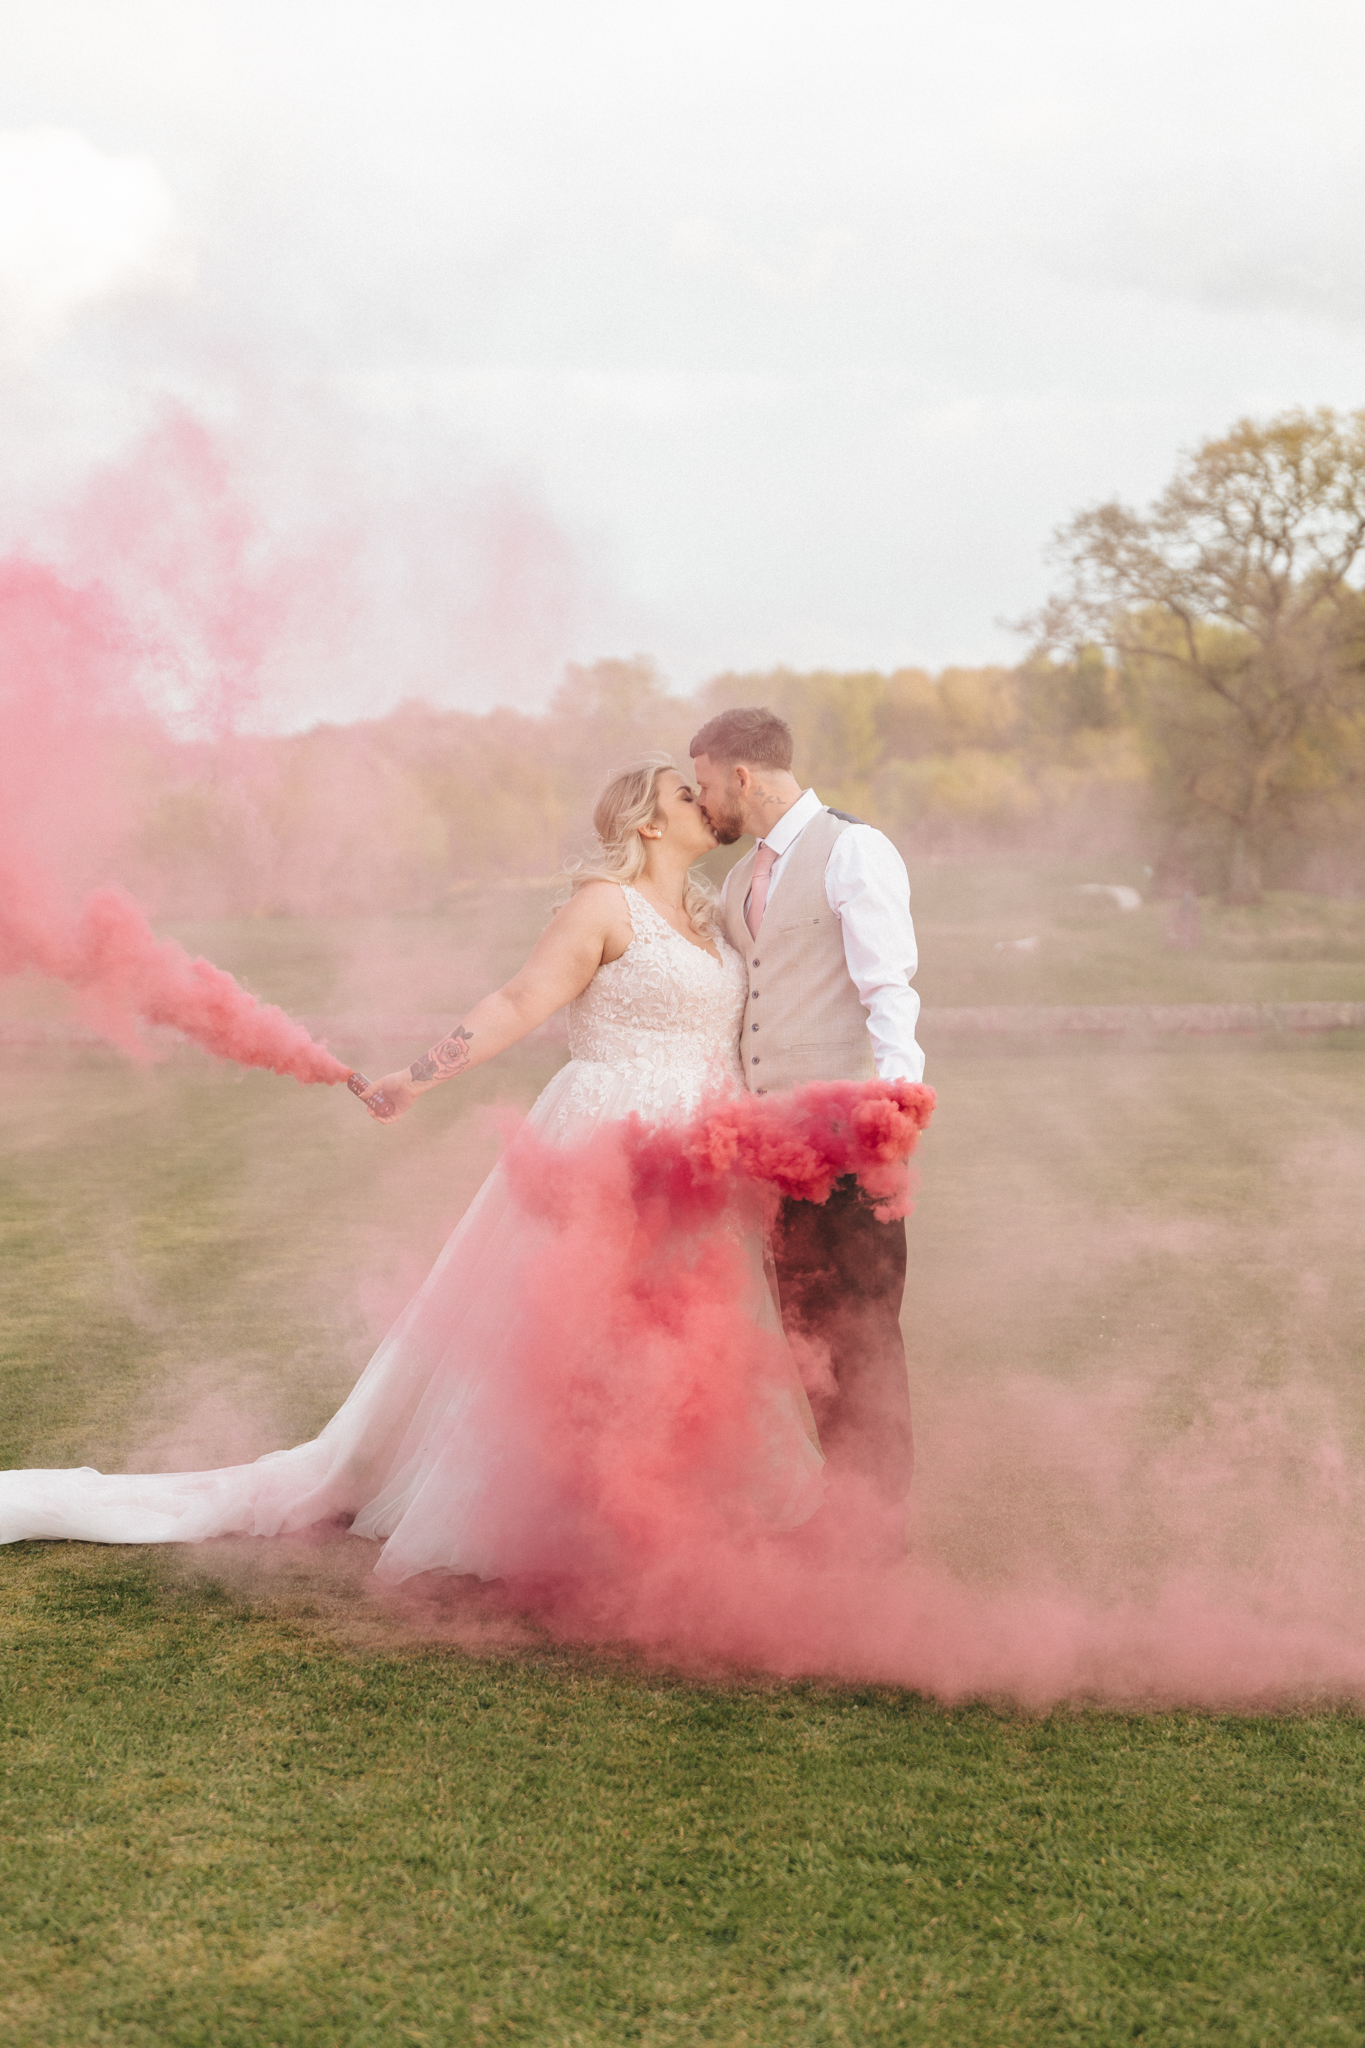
(1061, 700)
(1235, 608)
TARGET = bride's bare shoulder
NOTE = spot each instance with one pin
(596, 907)
(596, 915)
(596, 902)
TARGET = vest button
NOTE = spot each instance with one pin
(758, 963)
(760, 1091)
(753, 1027)
(754, 1061)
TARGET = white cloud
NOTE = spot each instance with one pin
(77, 227)
(800, 273)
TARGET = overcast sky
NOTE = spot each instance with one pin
(736, 333)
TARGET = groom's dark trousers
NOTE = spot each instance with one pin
(841, 1276)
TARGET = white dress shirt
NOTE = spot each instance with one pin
(868, 889)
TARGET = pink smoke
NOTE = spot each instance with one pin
(124, 976)
(633, 1389)
(74, 667)
(179, 544)
(637, 1384)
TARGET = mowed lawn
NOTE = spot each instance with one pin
(245, 1803)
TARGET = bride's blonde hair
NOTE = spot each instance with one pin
(630, 800)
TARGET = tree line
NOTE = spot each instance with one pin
(402, 811)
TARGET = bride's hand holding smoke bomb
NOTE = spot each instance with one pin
(374, 1099)
(390, 1098)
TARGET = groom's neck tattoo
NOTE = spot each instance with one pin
(450, 1056)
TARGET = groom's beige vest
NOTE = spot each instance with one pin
(803, 1020)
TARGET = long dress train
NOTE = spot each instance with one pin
(436, 1451)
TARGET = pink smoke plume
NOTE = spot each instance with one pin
(638, 1383)
(74, 666)
(124, 976)
(631, 1385)
(647, 1205)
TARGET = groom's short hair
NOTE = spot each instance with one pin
(753, 735)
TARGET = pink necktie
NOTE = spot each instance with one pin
(764, 862)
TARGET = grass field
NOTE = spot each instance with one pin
(242, 1805)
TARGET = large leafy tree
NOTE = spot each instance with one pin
(1235, 607)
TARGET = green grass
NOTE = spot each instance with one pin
(223, 1827)
(245, 1803)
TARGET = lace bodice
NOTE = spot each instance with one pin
(664, 1019)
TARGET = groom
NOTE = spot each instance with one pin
(820, 913)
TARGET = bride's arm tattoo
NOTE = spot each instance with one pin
(451, 1056)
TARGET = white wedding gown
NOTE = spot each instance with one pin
(433, 1452)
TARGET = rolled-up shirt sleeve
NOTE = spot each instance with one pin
(868, 890)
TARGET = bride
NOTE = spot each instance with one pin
(447, 1450)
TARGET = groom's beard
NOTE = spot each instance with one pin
(728, 826)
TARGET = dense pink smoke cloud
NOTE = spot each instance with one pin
(1217, 1567)
(638, 1384)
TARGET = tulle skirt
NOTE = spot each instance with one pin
(524, 1414)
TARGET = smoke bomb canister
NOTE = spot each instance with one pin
(358, 1085)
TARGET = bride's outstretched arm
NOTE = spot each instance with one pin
(592, 927)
